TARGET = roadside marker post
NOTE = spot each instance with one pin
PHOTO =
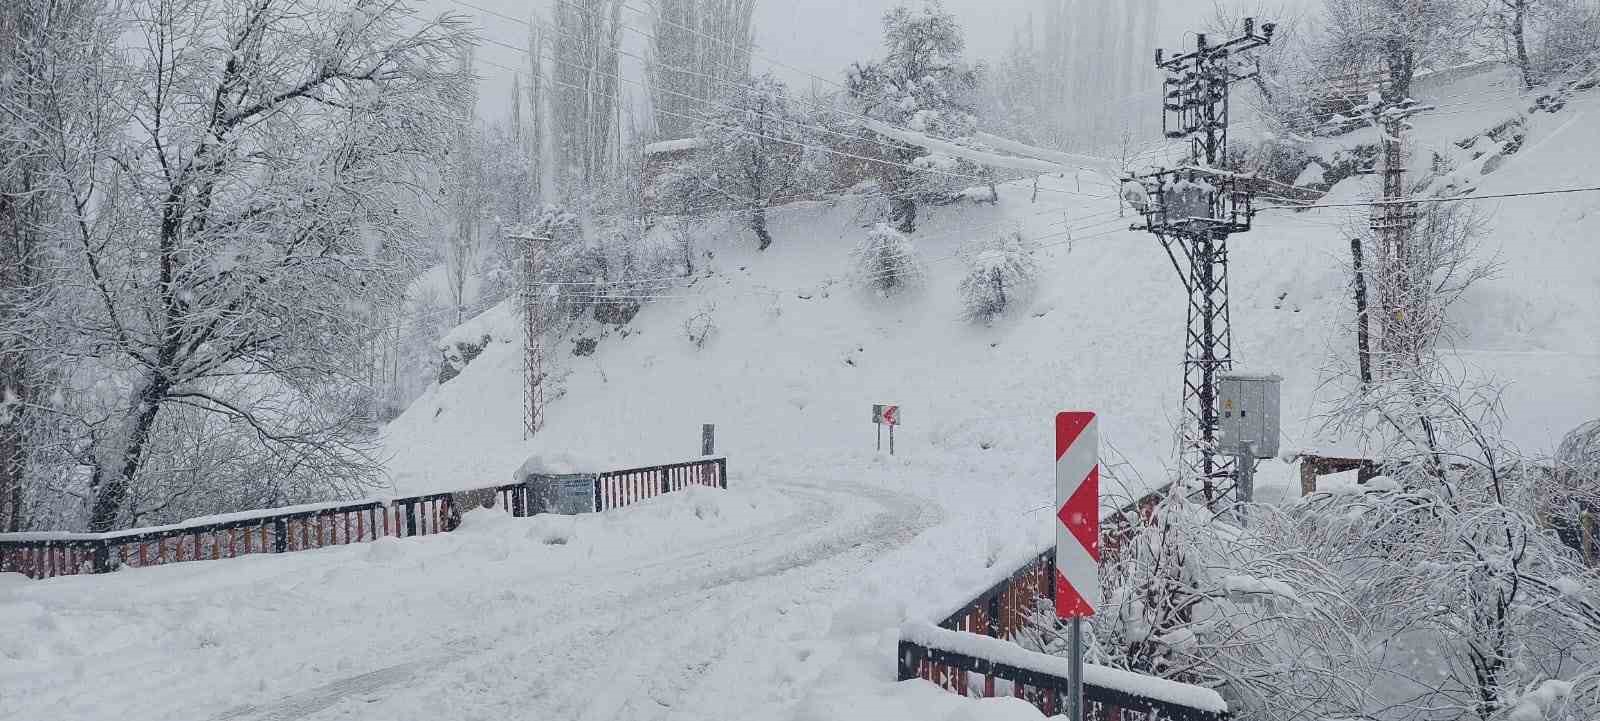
(886, 414)
(1077, 533)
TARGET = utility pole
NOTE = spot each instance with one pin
(1192, 210)
(531, 251)
(1392, 220)
(1363, 334)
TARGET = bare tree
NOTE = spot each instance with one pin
(756, 153)
(223, 241)
(51, 89)
(584, 54)
(1394, 37)
(468, 196)
(700, 51)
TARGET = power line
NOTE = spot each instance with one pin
(822, 148)
(1456, 199)
(872, 138)
(726, 81)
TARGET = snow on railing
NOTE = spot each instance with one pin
(970, 651)
(320, 525)
(955, 660)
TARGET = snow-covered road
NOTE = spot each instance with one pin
(692, 606)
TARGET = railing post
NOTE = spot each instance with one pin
(722, 473)
(102, 556)
(910, 661)
(411, 518)
(597, 497)
(666, 480)
(280, 530)
(994, 617)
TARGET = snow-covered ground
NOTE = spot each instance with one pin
(780, 597)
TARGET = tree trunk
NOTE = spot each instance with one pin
(903, 214)
(758, 223)
(22, 203)
(13, 453)
(11, 362)
(111, 491)
(1519, 39)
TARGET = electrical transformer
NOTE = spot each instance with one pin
(1247, 407)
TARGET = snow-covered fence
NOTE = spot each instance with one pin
(303, 528)
(970, 651)
(614, 489)
(974, 665)
(1002, 610)
(274, 530)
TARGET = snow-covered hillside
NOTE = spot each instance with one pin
(800, 352)
(780, 597)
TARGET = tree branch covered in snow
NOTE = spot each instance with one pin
(232, 214)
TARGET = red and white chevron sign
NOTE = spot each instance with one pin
(1077, 514)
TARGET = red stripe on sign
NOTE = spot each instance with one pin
(1081, 513)
(1068, 603)
(1070, 425)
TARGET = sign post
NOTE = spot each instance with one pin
(886, 415)
(1077, 533)
(708, 439)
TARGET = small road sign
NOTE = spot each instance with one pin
(886, 414)
(1077, 514)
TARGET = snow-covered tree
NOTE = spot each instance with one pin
(886, 260)
(757, 152)
(1012, 101)
(1394, 37)
(700, 52)
(921, 84)
(469, 196)
(224, 243)
(584, 70)
(1541, 38)
(1003, 270)
(52, 105)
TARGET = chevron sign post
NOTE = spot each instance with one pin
(1077, 533)
(1077, 514)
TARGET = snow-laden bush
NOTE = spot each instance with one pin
(1003, 270)
(887, 260)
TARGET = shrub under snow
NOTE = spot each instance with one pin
(1003, 270)
(887, 260)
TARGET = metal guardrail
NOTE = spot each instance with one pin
(614, 489)
(47, 555)
(960, 662)
(1001, 612)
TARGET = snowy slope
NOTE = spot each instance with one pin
(781, 597)
(800, 353)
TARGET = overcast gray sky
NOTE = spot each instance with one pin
(820, 37)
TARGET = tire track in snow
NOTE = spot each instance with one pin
(819, 507)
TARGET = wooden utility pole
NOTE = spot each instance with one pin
(1363, 332)
(1392, 220)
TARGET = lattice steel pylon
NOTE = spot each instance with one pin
(531, 251)
(1192, 210)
